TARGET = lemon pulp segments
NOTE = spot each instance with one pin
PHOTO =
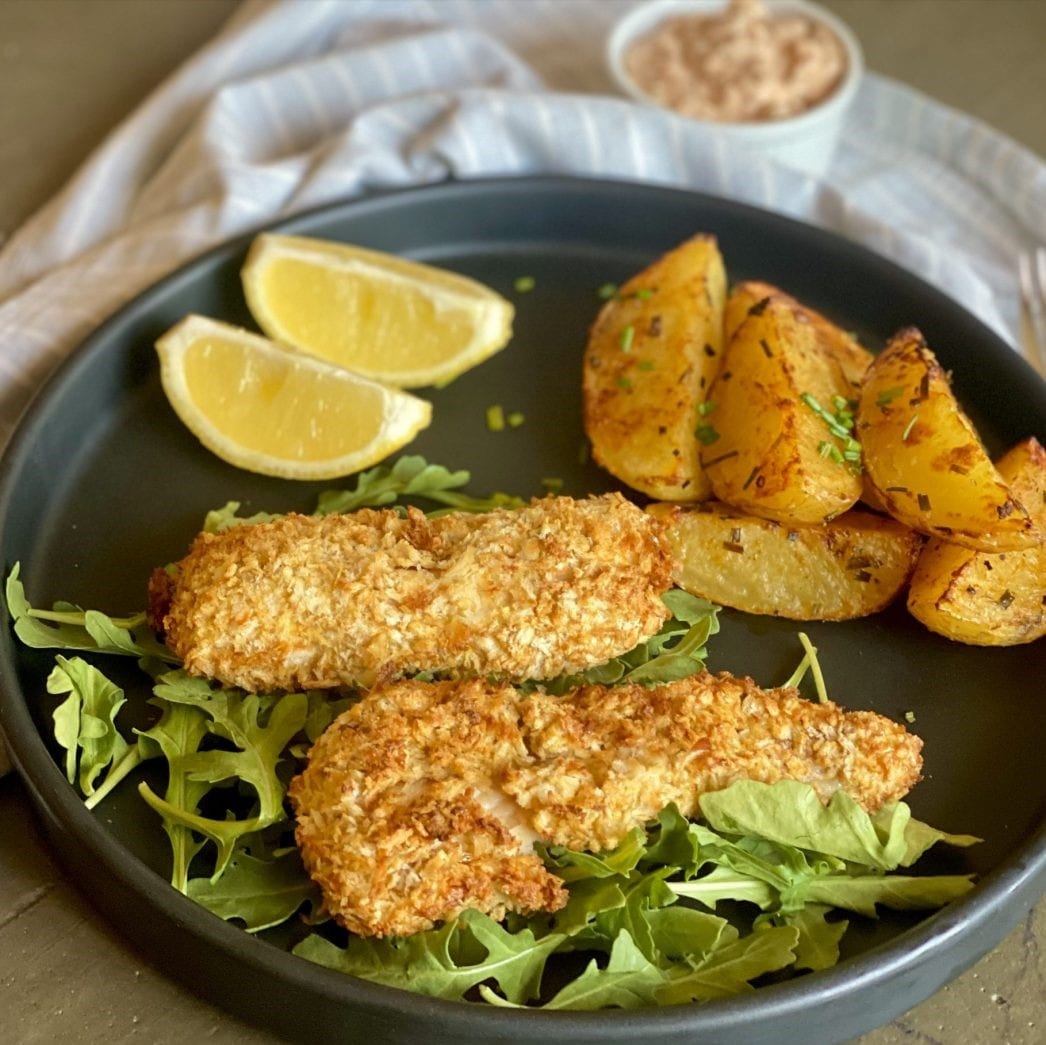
(235, 387)
(393, 320)
(270, 409)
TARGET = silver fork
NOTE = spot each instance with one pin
(1031, 271)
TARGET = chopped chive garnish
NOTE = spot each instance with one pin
(495, 418)
(705, 408)
(909, 716)
(908, 428)
(830, 451)
(840, 424)
(524, 284)
(515, 419)
(607, 291)
(552, 485)
(645, 364)
(887, 397)
(623, 382)
(628, 335)
(706, 434)
(644, 293)
(835, 426)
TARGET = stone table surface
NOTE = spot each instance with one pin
(70, 70)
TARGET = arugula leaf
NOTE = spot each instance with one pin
(571, 865)
(178, 733)
(218, 520)
(679, 932)
(791, 813)
(722, 883)
(643, 894)
(629, 981)
(322, 708)
(259, 892)
(225, 834)
(428, 962)
(410, 476)
(85, 722)
(413, 476)
(842, 863)
(69, 627)
(918, 837)
(727, 970)
(677, 651)
(818, 944)
(588, 898)
(901, 892)
(671, 842)
(260, 727)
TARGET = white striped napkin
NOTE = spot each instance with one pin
(296, 104)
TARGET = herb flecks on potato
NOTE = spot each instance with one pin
(852, 358)
(652, 353)
(989, 599)
(776, 445)
(924, 458)
(850, 567)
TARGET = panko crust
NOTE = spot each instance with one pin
(397, 817)
(425, 798)
(307, 602)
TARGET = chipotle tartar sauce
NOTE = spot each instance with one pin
(740, 64)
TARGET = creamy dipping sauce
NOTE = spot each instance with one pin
(740, 64)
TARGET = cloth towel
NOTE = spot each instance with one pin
(297, 103)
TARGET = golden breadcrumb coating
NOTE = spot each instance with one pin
(307, 602)
(426, 798)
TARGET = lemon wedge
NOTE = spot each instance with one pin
(269, 409)
(390, 319)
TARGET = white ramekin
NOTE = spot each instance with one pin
(806, 141)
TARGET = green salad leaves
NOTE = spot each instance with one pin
(645, 910)
(653, 922)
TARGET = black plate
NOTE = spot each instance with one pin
(102, 483)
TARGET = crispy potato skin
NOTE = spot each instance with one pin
(651, 355)
(850, 567)
(851, 357)
(924, 459)
(984, 598)
(764, 452)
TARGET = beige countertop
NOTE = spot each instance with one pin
(70, 70)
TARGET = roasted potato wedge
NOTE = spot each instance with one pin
(651, 354)
(844, 347)
(849, 567)
(924, 459)
(985, 598)
(764, 439)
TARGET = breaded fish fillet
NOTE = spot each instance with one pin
(305, 602)
(426, 798)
